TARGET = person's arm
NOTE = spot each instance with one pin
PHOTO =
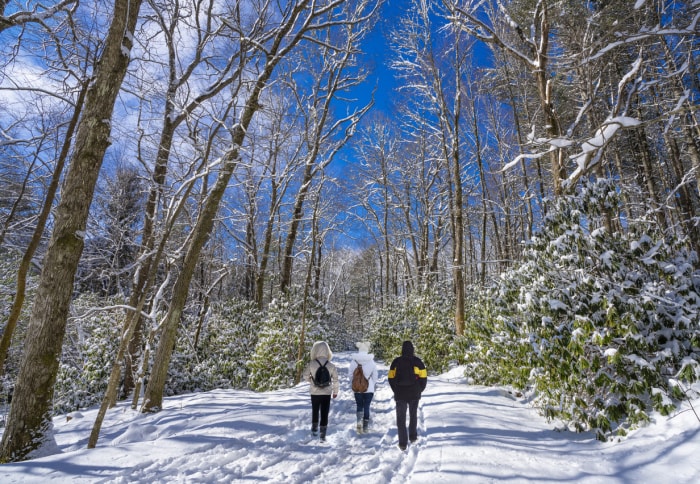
(422, 374)
(335, 382)
(308, 374)
(392, 375)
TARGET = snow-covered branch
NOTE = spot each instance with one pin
(37, 15)
(592, 149)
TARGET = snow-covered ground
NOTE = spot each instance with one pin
(466, 434)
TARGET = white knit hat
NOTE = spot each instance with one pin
(363, 346)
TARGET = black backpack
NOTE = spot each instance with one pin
(323, 376)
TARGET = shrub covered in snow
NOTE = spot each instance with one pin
(227, 341)
(90, 346)
(601, 325)
(427, 320)
(9, 262)
(280, 355)
(214, 355)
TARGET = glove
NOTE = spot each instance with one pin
(335, 395)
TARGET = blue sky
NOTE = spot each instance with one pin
(378, 56)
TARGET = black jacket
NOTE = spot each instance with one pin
(407, 374)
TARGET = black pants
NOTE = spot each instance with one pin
(320, 404)
(412, 434)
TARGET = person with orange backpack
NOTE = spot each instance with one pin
(363, 377)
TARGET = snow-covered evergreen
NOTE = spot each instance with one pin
(280, 353)
(426, 319)
(92, 339)
(601, 326)
(215, 354)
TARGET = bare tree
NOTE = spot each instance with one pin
(275, 41)
(179, 23)
(378, 153)
(263, 179)
(63, 64)
(530, 44)
(29, 421)
(324, 134)
(29, 252)
(39, 14)
(433, 75)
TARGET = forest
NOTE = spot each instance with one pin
(192, 192)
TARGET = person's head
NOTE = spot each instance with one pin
(362, 346)
(407, 349)
(320, 349)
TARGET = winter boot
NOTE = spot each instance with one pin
(323, 433)
(314, 429)
(365, 425)
(359, 422)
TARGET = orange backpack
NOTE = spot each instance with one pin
(359, 382)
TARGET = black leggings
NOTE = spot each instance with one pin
(320, 403)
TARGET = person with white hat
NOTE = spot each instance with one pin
(322, 385)
(365, 361)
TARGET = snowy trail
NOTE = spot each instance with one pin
(345, 455)
(466, 434)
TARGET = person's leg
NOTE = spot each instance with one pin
(325, 402)
(315, 408)
(359, 405)
(367, 400)
(401, 422)
(359, 402)
(413, 420)
(325, 407)
(367, 397)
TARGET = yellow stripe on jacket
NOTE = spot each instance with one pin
(420, 373)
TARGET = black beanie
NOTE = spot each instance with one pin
(407, 349)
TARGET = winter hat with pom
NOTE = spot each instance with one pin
(363, 346)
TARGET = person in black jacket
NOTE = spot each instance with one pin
(407, 378)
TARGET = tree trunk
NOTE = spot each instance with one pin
(649, 179)
(149, 264)
(153, 398)
(459, 211)
(29, 422)
(264, 259)
(288, 257)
